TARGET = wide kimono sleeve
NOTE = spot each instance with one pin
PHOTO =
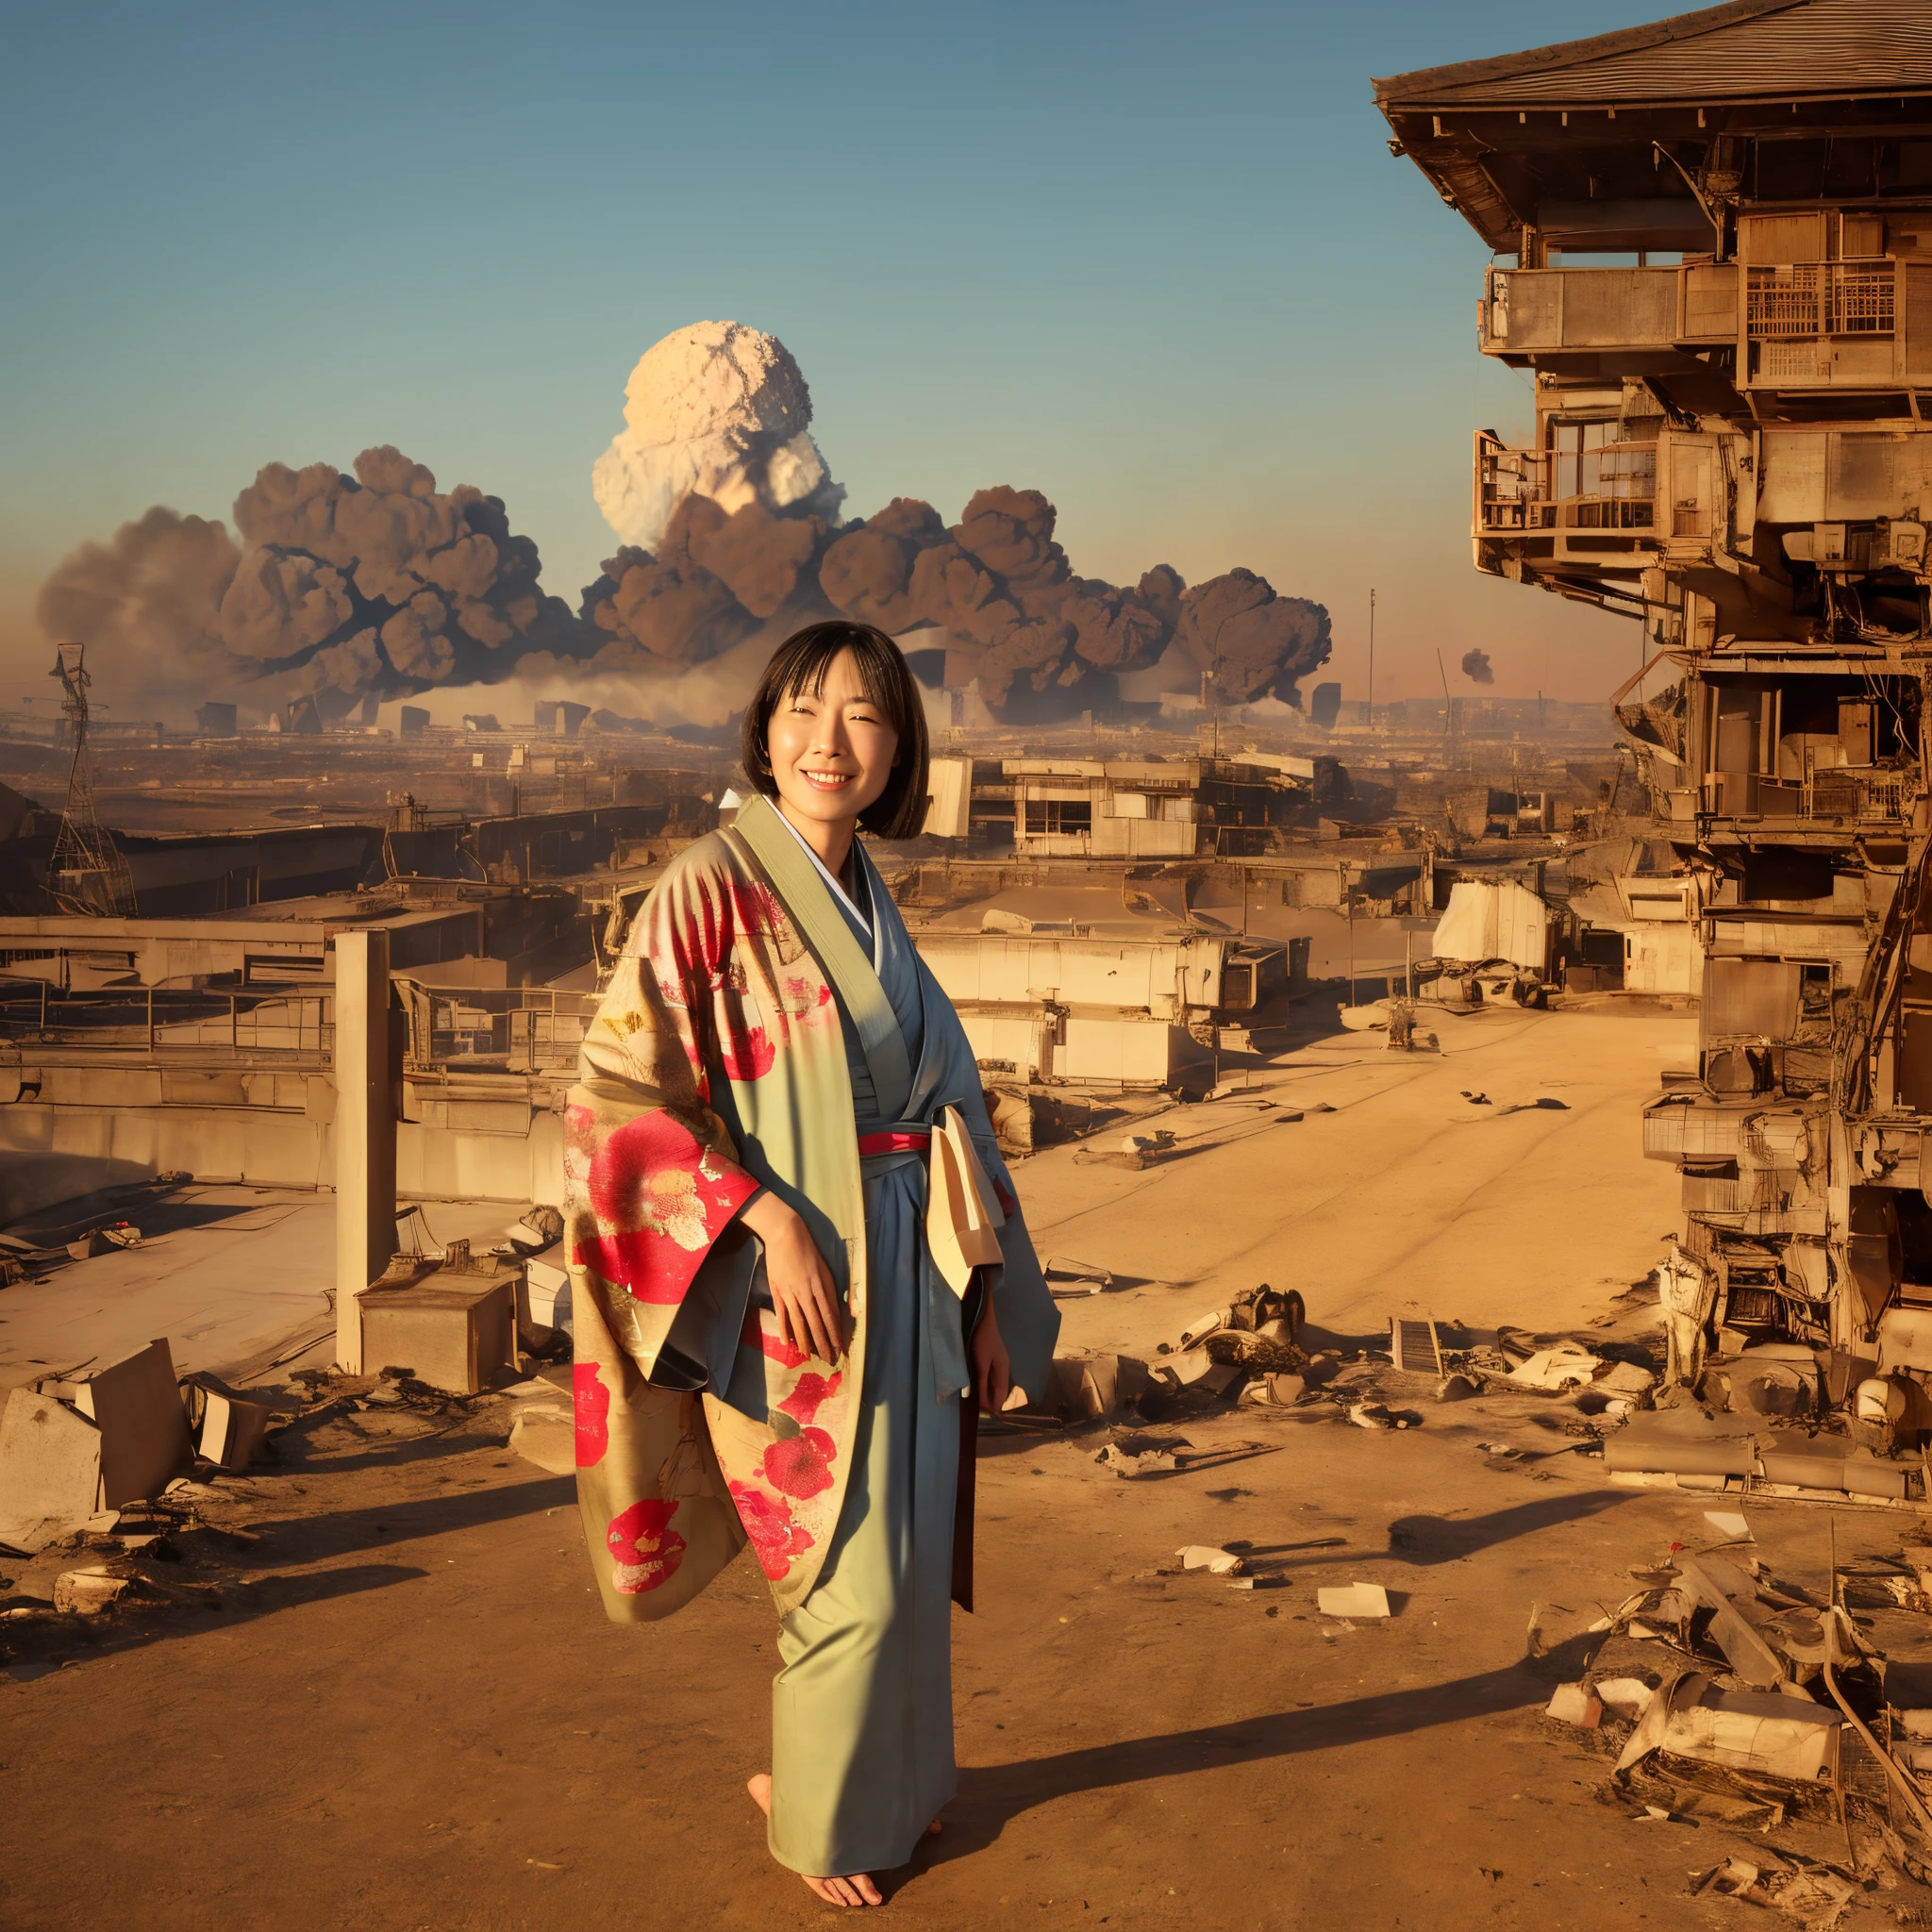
(652, 1181)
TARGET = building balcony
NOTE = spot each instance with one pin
(1584, 506)
(1837, 797)
(1608, 313)
(1860, 323)
(1823, 324)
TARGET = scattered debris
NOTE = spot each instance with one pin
(1211, 1558)
(1368, 1600)
(50, 1470)
(1375, 1415)
(1086, 1388)
(229, 1428)
(69, 1449)
(1624, 1696)
(87, 1592)
(1761, 1732)
(137, 1406)
(1144, 1150)
(1415, 1347)
(1133, 1455)
(1577, 1704)
(1568, 1366)
(1066, 1277)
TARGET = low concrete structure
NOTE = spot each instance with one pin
(214, 1047)
(1073, 807)
(1113, 1007)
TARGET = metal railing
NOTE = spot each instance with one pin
(1832, 794)
(1804, 300)
(522, 1028)
(1846, 796)
(1519, 491)
(181, 1021)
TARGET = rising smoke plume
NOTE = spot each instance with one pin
(1475, 667)
(350, 586)
(376, 585)
(718, 411)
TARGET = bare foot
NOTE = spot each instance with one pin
(856, 1887)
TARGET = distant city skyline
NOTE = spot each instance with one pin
(1160, 268)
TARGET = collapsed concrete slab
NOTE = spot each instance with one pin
(50, 1470)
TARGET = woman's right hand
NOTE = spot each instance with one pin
(810, 1315)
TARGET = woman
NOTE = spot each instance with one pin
(772, 1341)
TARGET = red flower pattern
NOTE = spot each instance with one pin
(775, 1537)
(756, 908)
(797, 1465)
(644, 1550)
(591, 1402)
(746, 1052)
(653, 1169)
(813, 1389)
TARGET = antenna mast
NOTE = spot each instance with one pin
(88, 873)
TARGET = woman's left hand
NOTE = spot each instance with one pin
(993, 1367)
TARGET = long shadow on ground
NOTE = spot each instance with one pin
(991, 1795)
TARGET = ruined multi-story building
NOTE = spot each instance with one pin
(1713, 244)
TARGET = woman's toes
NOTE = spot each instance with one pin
(761, 1790)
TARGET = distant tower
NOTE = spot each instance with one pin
(88, 873)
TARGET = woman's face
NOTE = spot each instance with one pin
(831, 755)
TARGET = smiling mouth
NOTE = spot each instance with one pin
(827, 781)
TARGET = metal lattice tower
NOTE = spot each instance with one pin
(89, 873)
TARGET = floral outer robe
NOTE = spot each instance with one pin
(716, 974)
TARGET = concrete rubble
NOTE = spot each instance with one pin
(1254, 1352)
(1725, 1689)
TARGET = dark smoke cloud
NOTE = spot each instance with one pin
(377, 584)
(147, 603)
(714, 579)
(352, 586)
(1475, 667)
(1042, 643)
(1252, 644)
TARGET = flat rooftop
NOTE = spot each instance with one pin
(232, 1275)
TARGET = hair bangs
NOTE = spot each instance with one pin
(799, 665)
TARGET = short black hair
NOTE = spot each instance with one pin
(799, 664)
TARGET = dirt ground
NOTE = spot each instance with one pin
(402, 1707)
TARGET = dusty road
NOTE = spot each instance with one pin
(408, 1712)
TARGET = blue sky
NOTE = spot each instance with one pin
(1154, 261)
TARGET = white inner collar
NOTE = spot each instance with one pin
(831, 878)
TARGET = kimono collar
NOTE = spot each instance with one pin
(801, 886)
(865, 915)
